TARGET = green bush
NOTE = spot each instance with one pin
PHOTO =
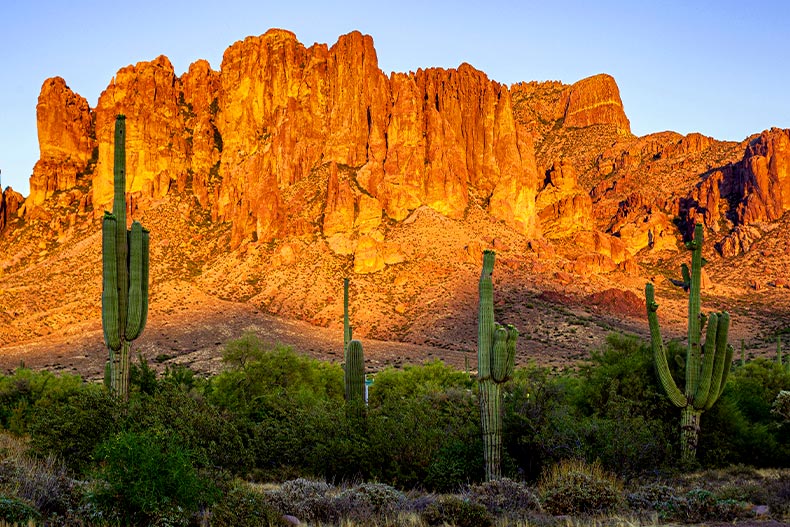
(241, 506)
(15, 510)
(315, 440)
(452, 510)
(145, 479)
(407, 435)
(72, 428)
(260, 380)
(215, 438)
(457, 463)
(575, 487)
(25, 390)
(541, 426)
(392, 385)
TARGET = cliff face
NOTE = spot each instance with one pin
(286, 140)
(10, 201)
(65, 138)
(429, 138)
(250, 140)
(763, 177)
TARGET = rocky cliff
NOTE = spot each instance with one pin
(267, 180)
(250, 140)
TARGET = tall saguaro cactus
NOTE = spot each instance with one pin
(707, 364)
(496, 352)
(354, 358)
(124, 275)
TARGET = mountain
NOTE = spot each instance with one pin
(268, 181)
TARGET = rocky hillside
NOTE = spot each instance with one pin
(268, 181)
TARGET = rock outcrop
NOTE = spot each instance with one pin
(427, 138)
(10, 202)
(596, 100)
(591, 101)
(156, 142)
(563, 206)
(65, 138)
(764, 177)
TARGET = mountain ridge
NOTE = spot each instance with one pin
(269, 180)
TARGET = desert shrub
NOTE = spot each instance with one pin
(215, 438)
(42, 482)
(778, 499)
(307, 500)
(622, 368)
(504, 496)
(650, 496)
(452, 510)
(393, 385)
(576, 487)
(457, 463)
(242, 506)
(315, 440)
(699, 505)
(540, 426)
(260, 380)
(25, 390)
(17, 511)
(368, 501)
(406, 436)
(145, 479)
(72, 428)
(624, 442)
(142, 377)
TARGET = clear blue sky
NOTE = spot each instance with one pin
(720, 68)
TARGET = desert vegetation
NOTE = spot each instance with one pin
(270, 436)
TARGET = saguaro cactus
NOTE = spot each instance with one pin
(496, 352)
(707, 365)
(124, 274)
(354, 358)
(355, 374)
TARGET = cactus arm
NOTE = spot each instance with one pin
(709, 358)
(686, 276)
(693, 356)
(485, 320)
(499, 371)
(135, 314)
(659, 353)
(145, 277)
(722, 365)
(109, 304)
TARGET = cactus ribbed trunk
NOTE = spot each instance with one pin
(496, 350)
(490, 397)
(689, 434)
(125, 272)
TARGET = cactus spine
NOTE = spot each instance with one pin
(496, 352)
(124, 275)
(707, 365)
